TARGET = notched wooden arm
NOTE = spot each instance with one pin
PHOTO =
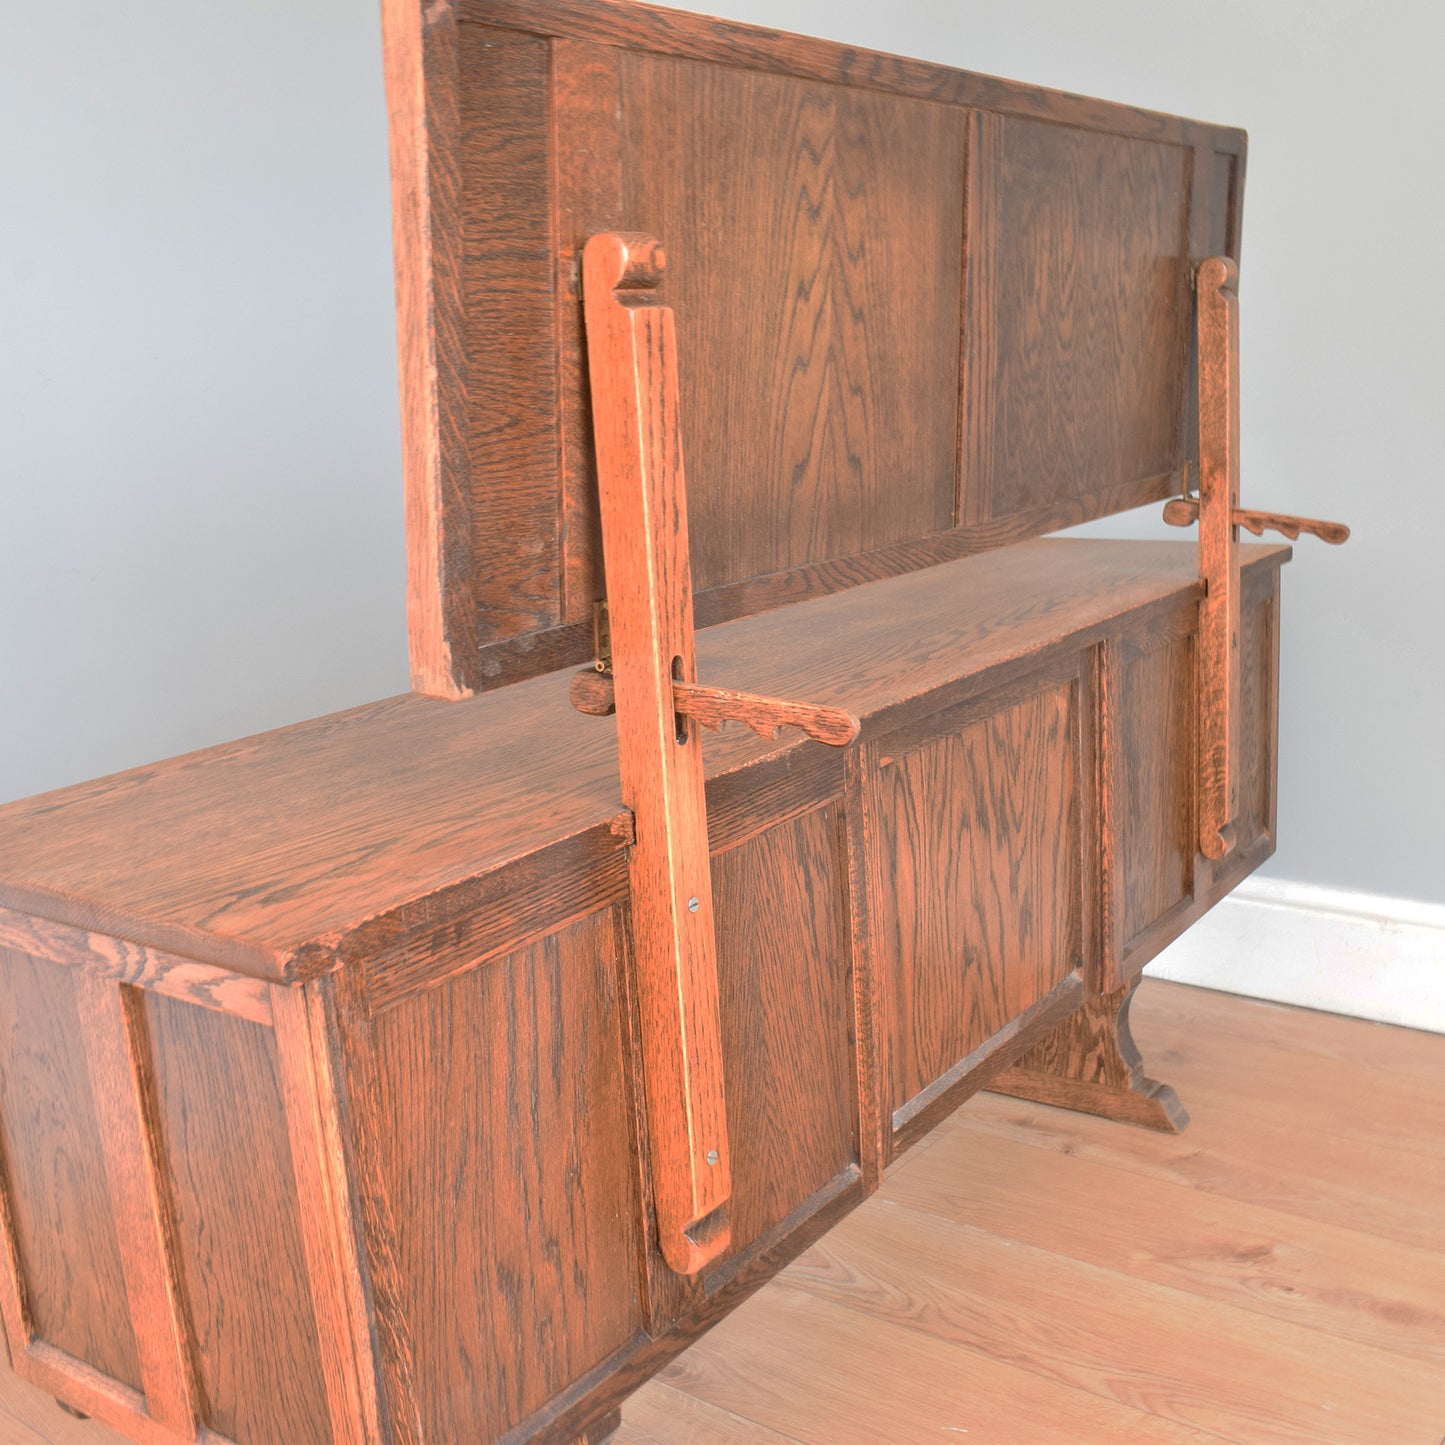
(593, 692)
(1183, 511)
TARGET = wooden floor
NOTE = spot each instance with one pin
(1028, 1276)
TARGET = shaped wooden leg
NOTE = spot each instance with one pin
(1090, 1063)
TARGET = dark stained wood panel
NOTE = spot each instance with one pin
(814, 236)
(1077, 320)
(229, 1175)
(504, 1119)
(359, 831)
(1258, 699)
(784, 978)
(511, 359)
(55, 1172)
(976, 856)
(1154, 714)
(816, 200)
(587, 146)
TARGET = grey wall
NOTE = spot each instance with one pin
(200, 495)
(202, 517)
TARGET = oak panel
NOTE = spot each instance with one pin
(1155, 715)
(1258, 701)
(786, 1009)
(1078, 282)
(815, 242)
(976, 854)
(55, 1172)
(224, 1140)
(511, 359)
(505, 1153)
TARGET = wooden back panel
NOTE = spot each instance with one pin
(920, 312)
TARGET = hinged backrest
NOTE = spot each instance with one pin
(920, 312)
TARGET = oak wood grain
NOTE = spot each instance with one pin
(1090, 1062)
(978, 833)
(230, 1177)
(72, 1283)
(785, 1002)
(1077, 322)
(420, 56)
(632, 355)
(838, 215)
(508, 1173)
(1113, 1336)
(353, 833)
(113, 1026)
(1217, 324)
(828, 444)
(330, 1221)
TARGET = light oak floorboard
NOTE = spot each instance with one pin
(1274, 1273)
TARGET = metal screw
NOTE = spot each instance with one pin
(712, 1156)
(692, 905)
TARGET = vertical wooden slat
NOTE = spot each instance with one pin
(1110, 821)
(1218, 329)
(115, 1048)
(13, 1312)
(873, 1136)
(632, 350)
(330, 1220)
(422, 84)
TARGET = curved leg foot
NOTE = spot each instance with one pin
(1091, 1063)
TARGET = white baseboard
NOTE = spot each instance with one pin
(1348, 953)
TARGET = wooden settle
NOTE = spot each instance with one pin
(438, 1069)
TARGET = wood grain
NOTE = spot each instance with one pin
(420, 52)
(507, 1170)
(786, 1007)
(1090, 1062)
(632, 354)
(508, 297)
(330, 1221)
(1078, 272)
(229, 1175)
(1217, 322)
(354, 833)
(816, 266)
(113, 1026)
(978, 837)
(102, 956)
(820, 302)
(587, 177)
(1155, 717)
(73, 1285)
(1112, 1336)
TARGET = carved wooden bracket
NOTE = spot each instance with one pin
(652, 685)
(593, 692)
(1220, 517)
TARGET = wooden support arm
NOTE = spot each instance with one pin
(632, 358)
(1184, 511)
(1220, 517)
(647, 674)
(593, 692)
